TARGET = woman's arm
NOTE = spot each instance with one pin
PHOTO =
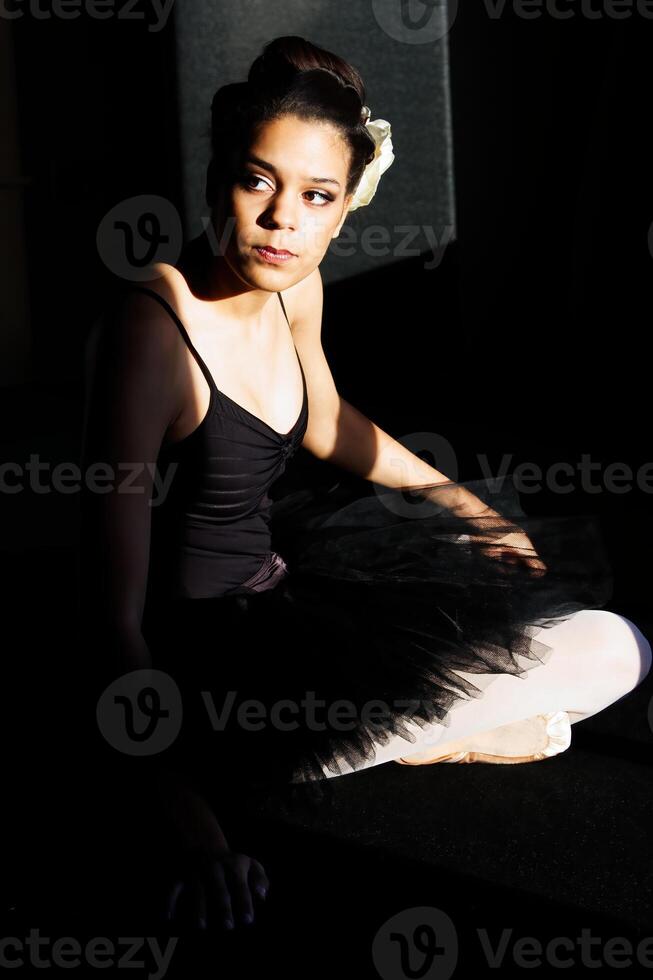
(131, 399)
(132, 396)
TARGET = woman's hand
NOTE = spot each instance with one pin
(214, 884)
(512, 548)
(216, 887)
(516, 548)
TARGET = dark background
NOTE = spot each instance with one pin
(530, 337)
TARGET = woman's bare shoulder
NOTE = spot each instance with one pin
(134, 324)
(165, 280)
(137, 311)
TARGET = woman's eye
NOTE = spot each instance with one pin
(248, 178)
(325, 197)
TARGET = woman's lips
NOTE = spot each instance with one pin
(275, 258)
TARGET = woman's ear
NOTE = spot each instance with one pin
(345, 211)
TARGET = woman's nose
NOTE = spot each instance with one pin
(283, 210)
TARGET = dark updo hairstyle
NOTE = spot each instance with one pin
(290, 76)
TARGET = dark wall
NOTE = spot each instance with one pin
(527, 337)
(98, 124)
(554, 204)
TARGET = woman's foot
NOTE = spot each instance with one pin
(527, 740)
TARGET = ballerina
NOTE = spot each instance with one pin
(479, 645)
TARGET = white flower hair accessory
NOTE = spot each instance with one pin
(381, 132)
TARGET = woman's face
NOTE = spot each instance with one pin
(276, 201)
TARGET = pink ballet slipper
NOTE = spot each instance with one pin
(527, 740)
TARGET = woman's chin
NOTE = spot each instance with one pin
(270, 275)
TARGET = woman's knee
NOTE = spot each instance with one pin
(621, 654)
(640, 650)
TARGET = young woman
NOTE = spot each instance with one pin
(364, 617)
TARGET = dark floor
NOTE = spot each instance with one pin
(451, 860)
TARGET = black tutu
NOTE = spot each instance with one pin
(376, 601)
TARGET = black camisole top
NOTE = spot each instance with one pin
(210, 530)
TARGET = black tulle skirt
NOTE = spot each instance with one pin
(357, 628)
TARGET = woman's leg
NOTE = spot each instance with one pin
(597, 658)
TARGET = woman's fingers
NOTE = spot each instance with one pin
(258, 878)
(233, 882)
(172, 899)
(193, 903)
(186, 903)
(242, 897)
(220, 899)
(219, 891)
(539, 568)
(511, 557)
(199, 910)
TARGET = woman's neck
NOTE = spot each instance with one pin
(211, 280)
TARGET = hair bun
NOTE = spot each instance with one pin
(291, 59)
(230, 99)
(272, 69)
(327, 88)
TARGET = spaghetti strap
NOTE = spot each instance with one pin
(182, 329)
(301, 368)
(283, 308)
(217, 392)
